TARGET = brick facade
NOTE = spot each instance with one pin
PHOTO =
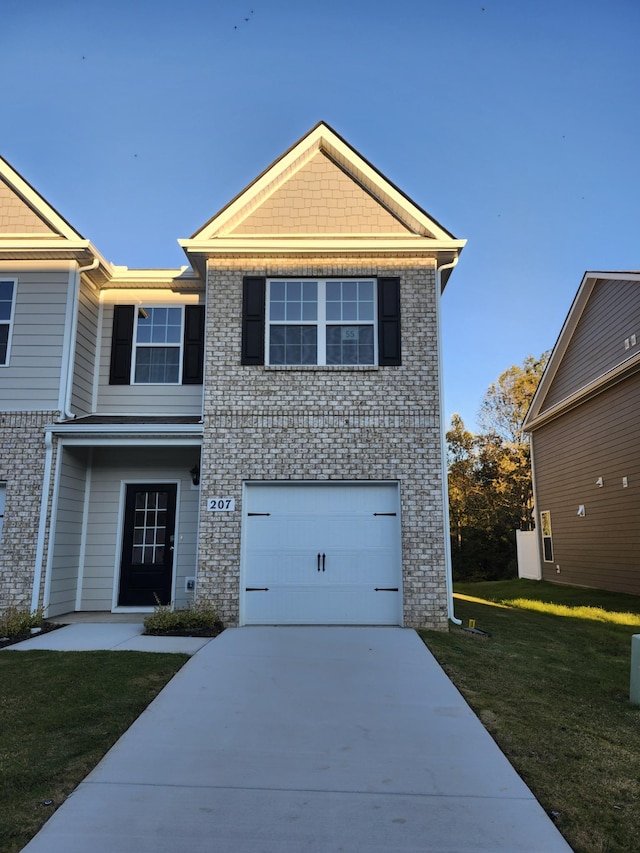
(325, 423)
(22, 464)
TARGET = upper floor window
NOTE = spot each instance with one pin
(158, 345)
(321, 322)
(7, 300)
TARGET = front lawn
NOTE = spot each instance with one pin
(551, 684)
(59, 714)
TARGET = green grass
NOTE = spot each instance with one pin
(551, 684)
(59, 714)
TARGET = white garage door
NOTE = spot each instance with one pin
(321, 554)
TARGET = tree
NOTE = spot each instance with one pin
(506, 402)
(490, 493)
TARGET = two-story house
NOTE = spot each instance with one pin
(260, 429)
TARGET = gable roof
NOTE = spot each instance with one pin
(321, 197)
(31, 229)
(548, 401)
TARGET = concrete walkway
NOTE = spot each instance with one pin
(282, 740)
(118, 636)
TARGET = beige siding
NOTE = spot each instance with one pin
(141, 399)
(111, 467)
(68, 534)
(601, 438)
(318, 199)
(86, 351)
(611, 316)
(31, 381)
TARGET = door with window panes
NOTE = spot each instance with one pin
(146, 567)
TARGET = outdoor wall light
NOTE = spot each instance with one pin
(600, 482)
(581, 511)
(195, 475)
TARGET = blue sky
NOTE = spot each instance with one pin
(516, 125)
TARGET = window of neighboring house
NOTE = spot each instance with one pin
(547, 543)
(158, 345)
(321, 322)
(7, 299)
(3, 494)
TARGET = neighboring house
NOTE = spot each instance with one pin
(261, 428)
(585, 440)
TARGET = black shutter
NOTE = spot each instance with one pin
(121, 344)
(389, 349)
(253, 299)
(193, 349)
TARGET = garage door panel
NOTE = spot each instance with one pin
(317, 553)
(347, 606)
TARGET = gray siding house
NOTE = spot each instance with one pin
(585, 440)
(260, 429)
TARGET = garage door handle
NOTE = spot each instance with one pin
(318, 562)
(324, 557)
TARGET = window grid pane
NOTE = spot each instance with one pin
(293, 345)
(341, 314)
(155, 362)
(149, 530)
(349, 344)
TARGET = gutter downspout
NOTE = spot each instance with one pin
(70, 340)
(42, 526)
(443, 449)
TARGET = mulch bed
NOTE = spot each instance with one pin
(27, 635)
(216, 629)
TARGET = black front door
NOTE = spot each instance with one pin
(147, 549)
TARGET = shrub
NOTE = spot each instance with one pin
(16, 622)
(199, 618)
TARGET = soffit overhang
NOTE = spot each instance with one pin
(129, 431)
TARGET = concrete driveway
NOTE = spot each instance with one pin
(285, 740)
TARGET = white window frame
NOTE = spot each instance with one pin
(10, 321)
(3, 499)
(546, 534)
(321, 322)
(162, 345)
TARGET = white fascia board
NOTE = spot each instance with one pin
(128, 440)
(51, 244)
(168, 275)
(310, 245)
